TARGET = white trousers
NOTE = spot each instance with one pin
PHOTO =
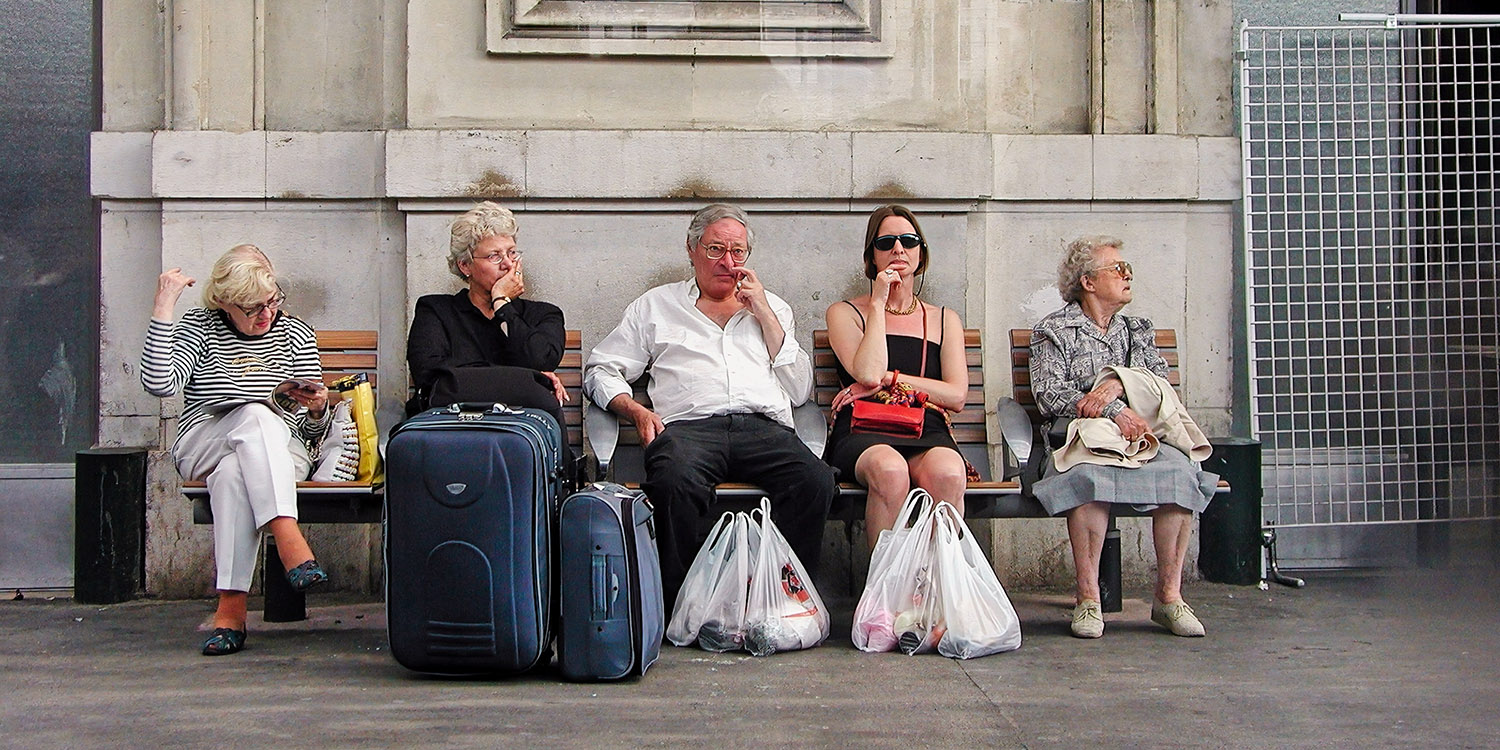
(251, 463)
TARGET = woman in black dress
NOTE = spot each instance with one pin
(488, 324)
(889, 342)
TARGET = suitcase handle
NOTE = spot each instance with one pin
(480, 407)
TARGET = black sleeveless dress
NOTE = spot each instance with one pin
(844, 447)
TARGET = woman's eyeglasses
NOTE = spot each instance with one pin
(494, 258)
(1120, 267)
(887, 241)
(273, 304)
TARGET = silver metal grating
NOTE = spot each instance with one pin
(1371, 271)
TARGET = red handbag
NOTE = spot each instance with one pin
(888, 419)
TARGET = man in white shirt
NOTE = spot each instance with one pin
(726, 371)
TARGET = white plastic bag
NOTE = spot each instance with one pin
(784, 611)
(710, 607)
(897, 601)
(979, 617)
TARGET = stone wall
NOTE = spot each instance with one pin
(342, 137)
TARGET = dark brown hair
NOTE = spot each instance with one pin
(879, 215)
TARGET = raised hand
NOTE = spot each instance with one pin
(749, 292)
(510, 284)
(169, 288)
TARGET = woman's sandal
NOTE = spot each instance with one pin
(306, 575)
(224, 641)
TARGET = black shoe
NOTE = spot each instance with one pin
(224, 641)
(306, 576)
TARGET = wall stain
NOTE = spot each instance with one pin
(492, 184)
(695, 187)
(292, 195)
(891, 190)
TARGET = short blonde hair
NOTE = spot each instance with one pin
(488, 219)
(1078, 261)
(243, 276)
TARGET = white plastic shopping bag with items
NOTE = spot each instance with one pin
(979, 617)
(897, 608)
(785, 612)
(710, 607)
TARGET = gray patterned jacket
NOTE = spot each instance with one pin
(1068, 351)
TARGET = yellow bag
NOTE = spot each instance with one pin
(361, 397)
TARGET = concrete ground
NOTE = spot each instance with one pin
(1353, 660)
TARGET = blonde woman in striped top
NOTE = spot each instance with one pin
(225, 358)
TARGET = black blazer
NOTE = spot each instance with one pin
(448, 331)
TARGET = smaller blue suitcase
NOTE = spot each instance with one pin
(610, 596)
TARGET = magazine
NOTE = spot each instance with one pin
(280, 399)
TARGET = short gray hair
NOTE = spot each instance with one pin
(1078, 261)
(712, 213)
(488, 219)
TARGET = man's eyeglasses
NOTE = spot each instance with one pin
(715, 252)
(1120, 267)
(888, 241)
(494, 258)
(273, 304)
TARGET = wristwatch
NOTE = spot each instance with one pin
(500, 302)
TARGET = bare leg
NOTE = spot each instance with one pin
(886, 477)
(290, 544)
(1087, 525)
(940, 471)
(1171, 528)
(232, 611)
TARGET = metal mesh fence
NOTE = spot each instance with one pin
(1374, 330)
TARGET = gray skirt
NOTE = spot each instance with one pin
(1169, 479)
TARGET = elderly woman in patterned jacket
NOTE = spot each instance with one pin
(226, 358)
(1068, 350)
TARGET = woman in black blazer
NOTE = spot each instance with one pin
(489, 324)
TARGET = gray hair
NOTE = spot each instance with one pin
(1078, 261)
(488, 219)
(712, 213)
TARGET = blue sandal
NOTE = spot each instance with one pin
(224, 641)
(306, 575)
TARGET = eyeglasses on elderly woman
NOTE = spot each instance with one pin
(886, 242)
(271, 305)
(495, 258)
(1120, 267)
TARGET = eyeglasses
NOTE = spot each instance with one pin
(888, 241)
(715, 252)
(1120, 267)
(273, 304)
(494, 258)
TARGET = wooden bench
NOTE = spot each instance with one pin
(344, 353)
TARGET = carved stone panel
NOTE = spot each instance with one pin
(731, 28)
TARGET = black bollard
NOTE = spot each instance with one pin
(1229, 548)
(109, 522)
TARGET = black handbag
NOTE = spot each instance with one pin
(496, 384)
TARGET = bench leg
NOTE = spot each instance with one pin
(283, 603)
(1109, 570)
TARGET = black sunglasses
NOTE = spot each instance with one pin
(888, 241)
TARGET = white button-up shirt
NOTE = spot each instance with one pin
(697, 368)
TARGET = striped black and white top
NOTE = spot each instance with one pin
(215, 366)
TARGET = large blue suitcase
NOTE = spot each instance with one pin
(609, 581)
(469, 500)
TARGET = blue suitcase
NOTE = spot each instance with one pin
(469, 500)
(609, 580)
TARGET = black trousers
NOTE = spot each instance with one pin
(687, 459)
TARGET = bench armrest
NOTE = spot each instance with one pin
(811, 426)
(1015, 428)
(603, 430)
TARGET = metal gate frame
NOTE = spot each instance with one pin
(1372, 286)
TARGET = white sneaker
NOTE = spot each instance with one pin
(1088, 620)
(1177, 617)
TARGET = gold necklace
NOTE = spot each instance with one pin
(908, 310)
